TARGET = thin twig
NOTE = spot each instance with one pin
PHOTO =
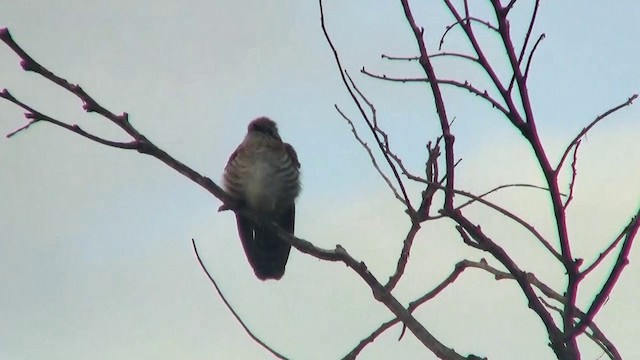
(530, 58)
(466, 21)
(510, 6)
(527, 36)
(88, 103)
(606, 252)
(381, 294)
(463, 85)
(35, 116)
(590, 126)
(145, 146)
(596, 335)
(574, 174)
(353, 354)
(228, 305)
(526, 42)
(621, 262)
(515, 218)
(403, 259)
(383, 144)
(438, 100)
(487, 244)
(440, 54)
(343, 76)
(371, 156)
(513, 114)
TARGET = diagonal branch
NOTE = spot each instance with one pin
(371, 156)
(339, 254)
(530, 58)
(228, 305)
(353, 354)
(596, 335)
(585, 130)
(606, 252)
(37, 116)
(343, 76)
(88, 103)
(526, 42)
(621, 262)
(487, 244)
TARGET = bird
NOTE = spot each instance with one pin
(263, 174)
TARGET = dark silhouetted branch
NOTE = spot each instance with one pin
(621, 262)
(585, 130)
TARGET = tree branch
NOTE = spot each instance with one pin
(144, 146)
(621, 262)
(371, 156)
(228, 305)
(585, 130)
(449, 139)
(363, 113)
(463, 85)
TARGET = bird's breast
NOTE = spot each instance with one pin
(271, 182)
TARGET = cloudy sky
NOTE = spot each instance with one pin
(95, 254)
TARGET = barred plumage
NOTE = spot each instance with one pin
(263, 173)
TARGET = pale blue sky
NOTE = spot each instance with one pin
(95, 254)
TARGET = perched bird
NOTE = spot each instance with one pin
(263, 174)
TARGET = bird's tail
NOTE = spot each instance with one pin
(266, 252)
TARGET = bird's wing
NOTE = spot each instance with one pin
(292, 154)
(238, 150)
(287, 220)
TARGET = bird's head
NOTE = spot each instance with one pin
(264, 125)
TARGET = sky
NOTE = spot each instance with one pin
(95, 251)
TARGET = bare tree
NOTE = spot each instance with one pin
(507, 92)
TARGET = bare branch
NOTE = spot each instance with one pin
(497, 188)
(440, 54)
(585, 130)
(353, 354)
(371, 156)
(510, 5)
(621, 262)
(383, 144)
(429, 71)
(228, 305)
(463, 85)
(404, 256)
(401, 58)
(343, 76)
(551, 294)
(511, 216)
(458, 269)
(526, 42)
(530, 59)
(466, 21)
(606, 252)
(88, 103)
(512, 114)
(574, 175)
(37, 116)
(145, 146)
(476, 233)
(454, 54)
(527, 36)
(596, 336)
